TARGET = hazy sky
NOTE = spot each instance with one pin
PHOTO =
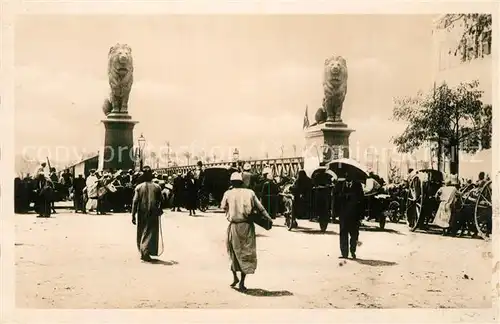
(217, 80)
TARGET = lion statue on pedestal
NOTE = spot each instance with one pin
(335, 89)
(120, 73)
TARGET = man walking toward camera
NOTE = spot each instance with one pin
(350, 201)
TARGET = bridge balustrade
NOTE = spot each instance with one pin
(279, 166)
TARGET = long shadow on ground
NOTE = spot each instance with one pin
(313, 231)
(375, 263)
(162, 262)
(378, 229)
(257, 292)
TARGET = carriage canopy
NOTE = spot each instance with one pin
(355, 170)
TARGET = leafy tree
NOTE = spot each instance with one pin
(452, 117)
(476, 29)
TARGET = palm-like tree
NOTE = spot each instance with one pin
(187, 155)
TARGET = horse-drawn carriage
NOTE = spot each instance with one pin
(478, 201)
(215, 182)
(421, 201)
(324, 178)
(378, 204)
(474, 203)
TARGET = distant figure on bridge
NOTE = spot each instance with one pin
(239, 203)
(146, 211)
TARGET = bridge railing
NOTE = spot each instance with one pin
(279, 166)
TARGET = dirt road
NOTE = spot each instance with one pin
(89, 261)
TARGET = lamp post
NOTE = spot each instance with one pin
(142, 143)
(236, 156)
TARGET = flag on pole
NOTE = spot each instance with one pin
(306, 120)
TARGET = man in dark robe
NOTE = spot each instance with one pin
(54, 179)
(78, 198)
(146, 206)
(349, 199)
(44, 189)
(269, 196)
(191, 191)
(178, 192)
(19, 195)
(302, 191)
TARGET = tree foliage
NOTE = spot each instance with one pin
(451, 116)
(393, 175)
(476, 29)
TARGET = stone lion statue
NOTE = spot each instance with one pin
(120, 74)
(335, 89)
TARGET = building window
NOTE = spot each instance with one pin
(486, 43)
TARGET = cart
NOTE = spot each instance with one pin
(479, 199)
(421, 202)
(216, 181)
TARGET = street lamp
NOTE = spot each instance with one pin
(236, 155)
(142, 143)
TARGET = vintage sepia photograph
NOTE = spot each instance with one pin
(336, 161)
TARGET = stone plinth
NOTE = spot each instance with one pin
(329, 140)
(119, 142)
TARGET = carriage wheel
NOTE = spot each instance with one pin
(203, 208)
(393, 213)
(483, 212)
(414, 204)
(203, 203)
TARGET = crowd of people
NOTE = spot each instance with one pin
(146, 194)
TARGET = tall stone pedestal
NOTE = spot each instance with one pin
(119, 142)
(328, 140)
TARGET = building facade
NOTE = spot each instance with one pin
(473, 62)
(452, 66)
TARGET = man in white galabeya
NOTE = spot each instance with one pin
(239, 202)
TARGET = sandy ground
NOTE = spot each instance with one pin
(89, 261)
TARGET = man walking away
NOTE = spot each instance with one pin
(146, 211)
(350, 199)
(239, 203)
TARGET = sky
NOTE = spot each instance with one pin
(224, 81)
